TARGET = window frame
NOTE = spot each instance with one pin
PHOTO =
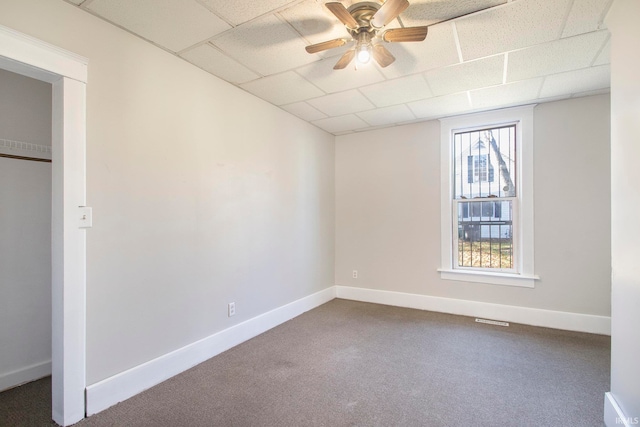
(523, 275)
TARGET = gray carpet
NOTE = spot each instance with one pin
(27, 405)
(356, 364)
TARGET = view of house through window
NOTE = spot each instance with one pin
(484, 197)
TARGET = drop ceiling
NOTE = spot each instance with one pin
(478, 55)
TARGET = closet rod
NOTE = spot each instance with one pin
(33, 159)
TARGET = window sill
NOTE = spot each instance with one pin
(504, 279)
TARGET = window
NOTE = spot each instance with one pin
(479, 169)
(485, 240)
(487, 198)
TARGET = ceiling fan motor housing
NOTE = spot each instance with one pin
(363, 13)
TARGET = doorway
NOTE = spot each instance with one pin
(67, 73)
(25, 227)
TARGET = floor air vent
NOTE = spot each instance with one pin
(492, 322)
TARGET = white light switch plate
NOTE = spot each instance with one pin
(85, 217)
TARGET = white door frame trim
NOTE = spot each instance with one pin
(68, 74)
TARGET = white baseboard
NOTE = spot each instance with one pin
(25, 375)
(614, 416)
(507, 313)
(124, 385)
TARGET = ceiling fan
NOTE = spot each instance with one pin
(365, 22)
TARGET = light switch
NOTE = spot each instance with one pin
(85, 216)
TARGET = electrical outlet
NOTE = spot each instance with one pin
(355, 274)
(232, 309)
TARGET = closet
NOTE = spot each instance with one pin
(25, 229)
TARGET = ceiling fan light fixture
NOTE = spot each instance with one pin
(363, 54)
(363, 47)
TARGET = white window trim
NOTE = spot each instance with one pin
(525, 276)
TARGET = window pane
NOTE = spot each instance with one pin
(485, 240)
(485, 163)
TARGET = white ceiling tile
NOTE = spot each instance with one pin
(398, 91)
(341, 103)
(304, 111)
(239, 11)
(573, 82)
(429, 12)
(440, 106)
(314, 21)
(466, 76)
(604, 57)
(217, 63)
(322, 74)
(516, 25)
(438, 50)
(585, 16)
(555, 57)
(504, 95)
(387, 115)
(173, 24)
(341, 124)
(267, 45)
(284, 88)
(78, 2)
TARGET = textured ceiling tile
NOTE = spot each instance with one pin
(316, 24)
(516, 25)
(284, 88)
(78, 2)
(341, 124)
(440, 106)
(466, 76)
(217, 63)
(314, 21)
(585, 16)
(387, 115)
(438, 50)
(429, 12)
(304, 111)
(522, 92)
(239, 11)
(322, 74)
(339, 104)
(267, 45)
(573, 82)
(173, 24)
(555, 57)
(605, 55)
(398, 91)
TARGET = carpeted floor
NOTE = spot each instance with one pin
(27, 405)
(348, 363)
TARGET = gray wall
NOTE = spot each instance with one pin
(25, 109)
(202, 194)
(388, 211)
(625, 197)
(25, 233)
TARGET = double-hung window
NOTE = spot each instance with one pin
(487, 197)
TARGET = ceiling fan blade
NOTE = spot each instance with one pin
(319, 47)
(345, 59)
(388, 12)
(342, 14)
(382, 56)
(411, 34)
